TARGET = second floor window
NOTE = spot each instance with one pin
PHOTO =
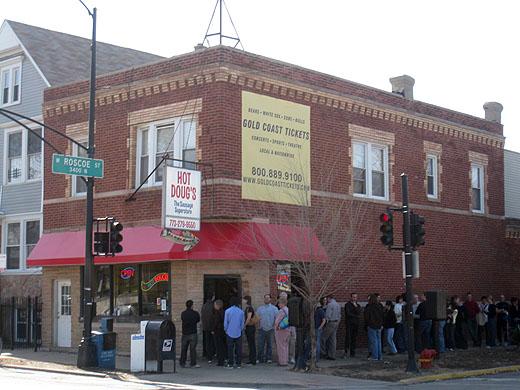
(370, 170)
(24, 156)
(175, 138)
(431, 176)
(10, 78)
(477, 188)
(22, 237)
(79, 187)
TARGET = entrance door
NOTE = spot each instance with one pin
(63, 306)
(222, 287)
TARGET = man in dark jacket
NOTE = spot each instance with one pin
(208, 347)
(352, 320)
(374, 323)
(190, 318)
(472, 310)
(425, 326)
(217, 331)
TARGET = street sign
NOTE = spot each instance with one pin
(78, 166)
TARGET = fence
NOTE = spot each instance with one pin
(21, 322)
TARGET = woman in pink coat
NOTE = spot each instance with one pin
(282, 335)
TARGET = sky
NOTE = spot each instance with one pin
(461, 53)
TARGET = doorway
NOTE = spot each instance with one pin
(63, 313)
(222, 287)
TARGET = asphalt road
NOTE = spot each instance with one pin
(17, 379)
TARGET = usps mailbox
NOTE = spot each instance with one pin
(159, 345)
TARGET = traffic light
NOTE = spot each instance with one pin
(417, 230)
(101, 242)
(387, 228)
(115, 237)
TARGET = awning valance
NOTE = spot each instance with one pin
(217, 241)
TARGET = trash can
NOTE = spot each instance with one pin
(105, 343)
(159, 345)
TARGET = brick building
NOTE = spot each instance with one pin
(347, 144)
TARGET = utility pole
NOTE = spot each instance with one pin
(407, 245)
(87, 351)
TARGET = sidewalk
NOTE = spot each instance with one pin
(260, 376)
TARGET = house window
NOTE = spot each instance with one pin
(22, 237)
(370, 170)
(431, 176)
(477, 188)
(23, 156)
(11, 77)
(79, 186)
(175, 138)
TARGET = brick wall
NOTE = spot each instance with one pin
(464, 251)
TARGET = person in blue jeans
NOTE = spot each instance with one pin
(319, 323)
(389, 324)
(267, 314)
(233, 326)
(441, 341)
(374, 315)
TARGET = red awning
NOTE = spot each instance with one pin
(218, 241)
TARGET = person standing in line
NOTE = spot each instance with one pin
(514, 313)
(266, 314)
(400, 331)
(389, 323)
(374, 317)
(472, 310)
(233, 326)
(353, 313)
(206, 313)
(292, 338)
(451, 314)
(251, 322)
(461, 326)
(319, 324)
(482, 320)
(333, 316)
(190, 318)
(491, 325)
(217, 331)
(282, 332)
(425, 326)
(502, 320)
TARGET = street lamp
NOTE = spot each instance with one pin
(87, 349)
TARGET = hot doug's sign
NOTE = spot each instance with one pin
(181, 197)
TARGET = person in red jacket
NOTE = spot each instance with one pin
(472, 310)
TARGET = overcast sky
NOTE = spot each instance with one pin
(461, 53)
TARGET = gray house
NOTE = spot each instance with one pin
(32, 59)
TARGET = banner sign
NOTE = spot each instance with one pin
(283, 277)
(181, 199)
(162, 277)
(276, 147)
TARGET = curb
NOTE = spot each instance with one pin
(459, 375)
(56, 371)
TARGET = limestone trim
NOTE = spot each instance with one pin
(298, 91)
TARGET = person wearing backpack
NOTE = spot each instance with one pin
(282, 332)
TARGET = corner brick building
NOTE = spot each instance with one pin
(361, 140)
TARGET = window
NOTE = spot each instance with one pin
(477, 188)
(370, 170)
(431, 176)
(22, 237)
(175, 137)
(79, 187)
(131, 291)
(23, 156)
(11, 77)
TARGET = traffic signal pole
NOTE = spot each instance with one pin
(87, 351)
(407, 245)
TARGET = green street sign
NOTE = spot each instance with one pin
(78, 166)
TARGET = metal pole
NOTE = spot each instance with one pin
(87, 353)
(220, 35)
(407, 244)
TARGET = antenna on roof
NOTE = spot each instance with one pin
(235, 39)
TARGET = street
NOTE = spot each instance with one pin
(27, 379)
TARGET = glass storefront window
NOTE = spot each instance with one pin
(102, 290)
(155, 282)
(126, 290)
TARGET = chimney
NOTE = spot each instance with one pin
(403, 85)
(493, 111)
(199, 47)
